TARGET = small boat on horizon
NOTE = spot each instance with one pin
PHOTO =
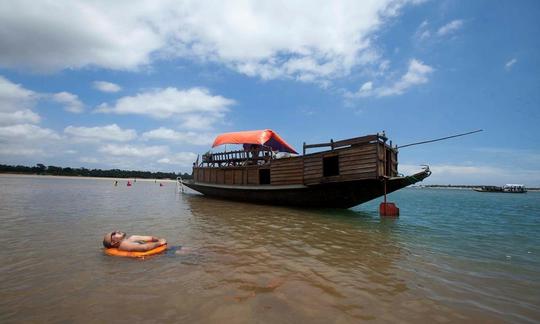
(268, 170)
(507, 188)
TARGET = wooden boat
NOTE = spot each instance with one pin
(347, 173)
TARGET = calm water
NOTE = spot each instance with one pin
(452, 256)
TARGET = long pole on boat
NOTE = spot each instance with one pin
(440, 139)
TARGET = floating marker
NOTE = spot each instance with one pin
(388, 209)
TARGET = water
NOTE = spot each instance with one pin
(452, 256)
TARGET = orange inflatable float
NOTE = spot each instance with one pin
(132, 254)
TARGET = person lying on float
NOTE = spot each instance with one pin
(134, 243)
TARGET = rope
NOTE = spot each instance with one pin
(440, 139)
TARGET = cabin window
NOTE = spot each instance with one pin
(331, 166)
(264, 176)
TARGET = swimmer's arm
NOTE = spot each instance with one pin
(138, 247)
(143, 238)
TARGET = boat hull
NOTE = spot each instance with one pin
(327, 195)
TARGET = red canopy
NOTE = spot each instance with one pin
(265, 137)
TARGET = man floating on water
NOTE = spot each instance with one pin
(134, 243)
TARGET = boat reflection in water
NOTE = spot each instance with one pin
(325, 265)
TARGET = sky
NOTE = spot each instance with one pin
(147, 85)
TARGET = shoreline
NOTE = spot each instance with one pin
(81, 177)
(437, 187)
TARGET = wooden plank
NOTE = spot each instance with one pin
(355, 160)
(354, 166)
(291, 182)
(358, 171)
(290, 170)
(279, 163)
(291, 179)
(363, 151)
(346, 142)
(220, 176)
(253, 176)
(294, 167)
(287, 178)
(358, 176)
(238, 176)
(299, 173)
(229, 177)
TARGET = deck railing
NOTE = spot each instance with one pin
(240, 157)
(348, 142)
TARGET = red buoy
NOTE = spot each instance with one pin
(388, 209)
(129, 184)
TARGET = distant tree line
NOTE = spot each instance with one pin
(83, 172)
(463, 186)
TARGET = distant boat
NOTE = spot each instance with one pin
(507, 188)
(267, 170)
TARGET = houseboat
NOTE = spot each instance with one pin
(341, 174)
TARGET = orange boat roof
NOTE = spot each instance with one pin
(266, 137)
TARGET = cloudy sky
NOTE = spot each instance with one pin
(148, 84)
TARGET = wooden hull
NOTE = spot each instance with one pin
(325, 195)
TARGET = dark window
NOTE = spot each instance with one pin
(331, 166)
(264, 176)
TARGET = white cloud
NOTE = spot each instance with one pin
(196, 108)
(180, 137)
(452, 170)
(73, 34)
(87, 159)
(425, 34)
(105, 86)
(24, 132)
(365, 90)
(70, 101)
(20, 151)
(13, 97)
(134, 151)
(417, 73)
(509, 64)
(451, 27)
(422, 32)
(101, 133)
(19, 117)
(474, 174)
(184, 159)
(306, 40)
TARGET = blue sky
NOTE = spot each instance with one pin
(148, 85)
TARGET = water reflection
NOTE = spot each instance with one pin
(236, 262)
(311, 258)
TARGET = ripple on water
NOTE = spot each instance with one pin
(444, 260)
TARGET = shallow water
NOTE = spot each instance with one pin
(452, 256)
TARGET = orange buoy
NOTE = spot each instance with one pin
(132, 254)
(388, 209)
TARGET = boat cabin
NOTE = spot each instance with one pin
(267, 160)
